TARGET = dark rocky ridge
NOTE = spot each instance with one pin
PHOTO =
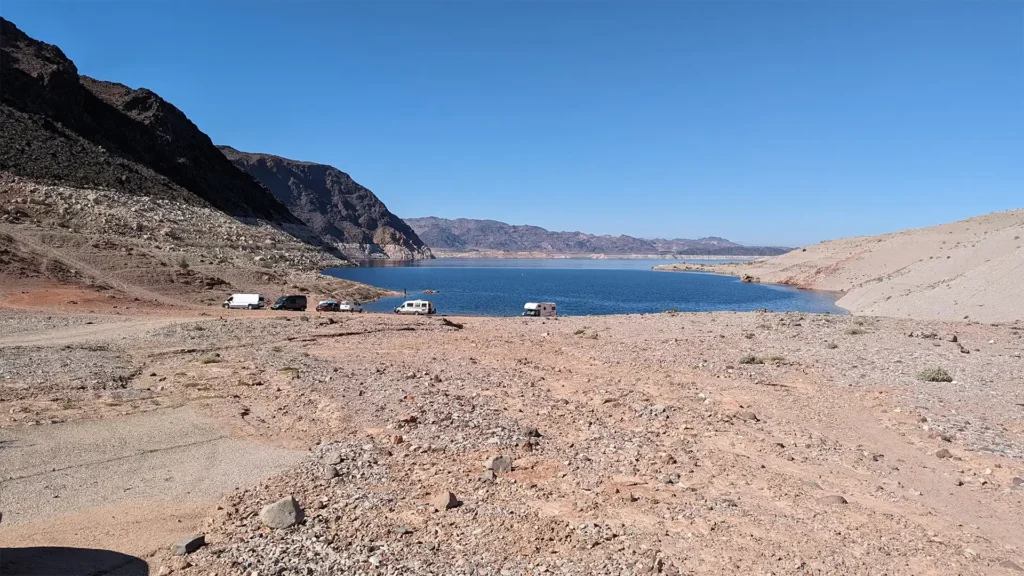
(57, 126)
(334, 205)
(463, 234)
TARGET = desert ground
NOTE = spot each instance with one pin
(136, 414)
(722, 443)
(966, 270)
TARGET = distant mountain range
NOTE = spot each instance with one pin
(339, 209)
(467, 235)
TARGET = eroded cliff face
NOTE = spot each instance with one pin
(337, 207)
(60, 127)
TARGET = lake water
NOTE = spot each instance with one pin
(500, 287)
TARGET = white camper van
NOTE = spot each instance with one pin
(544, 309)
(247, 301)
(416, 307)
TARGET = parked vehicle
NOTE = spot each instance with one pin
(295, 302)
(544, 309)
(416, 307)
(350, 306)
(328, 306)
(247, 301)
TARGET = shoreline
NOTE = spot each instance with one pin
(504, 255)
(707, 269)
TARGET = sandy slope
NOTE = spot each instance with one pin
(972, 269)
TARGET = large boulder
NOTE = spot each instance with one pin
(282, 514)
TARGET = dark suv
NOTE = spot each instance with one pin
(296, 302)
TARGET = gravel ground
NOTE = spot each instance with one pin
(668, 443)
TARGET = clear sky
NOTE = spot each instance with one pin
(765, 121)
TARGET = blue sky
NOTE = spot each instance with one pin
(764, 122)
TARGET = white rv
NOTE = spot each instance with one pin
(416, 307)
(247, 301)
(544, 309)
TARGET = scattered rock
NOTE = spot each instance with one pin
(333, 458)
(943, 453)
(498, 463)
(1010, 566)
(1017, 482)
(329, 472)
(831, 500)
(446, 501)
(187, 545)
(282, 514)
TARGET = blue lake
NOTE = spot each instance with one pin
(482, 287)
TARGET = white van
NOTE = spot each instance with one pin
(544, 309)
(416, 307)
(247, 301)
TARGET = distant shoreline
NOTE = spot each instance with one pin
(497, 254)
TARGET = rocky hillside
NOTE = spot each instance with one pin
(337, 207)
(60, 127)
(971, 269)
(464, 234)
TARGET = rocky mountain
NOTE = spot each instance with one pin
(60, 127)
(463, 235)
(337, 207)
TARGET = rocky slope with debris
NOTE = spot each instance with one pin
(463, 235)
(337, 207)
(717, 443)
(966, 270)
(150, 249)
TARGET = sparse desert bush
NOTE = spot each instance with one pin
(776, 359)
(831, 345)
(751, 359)
(183, 263)
(856, 331)
(578, 332)
(935, 375)
(210, 359)
(748, 335)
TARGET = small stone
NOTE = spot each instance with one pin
(943, 453)
(747, 416)
(282, 514)
(500, 464)
(488, 476)
(397, 439)
(403, 530)
(831, 500)
(163, 571)
(1010, 566)
(408, 419)
(187, 545)
(1017, 482)
(332, 458)
(530, 432)
(329, 472)
(446, 501)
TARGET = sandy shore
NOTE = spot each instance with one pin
(967, 270)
